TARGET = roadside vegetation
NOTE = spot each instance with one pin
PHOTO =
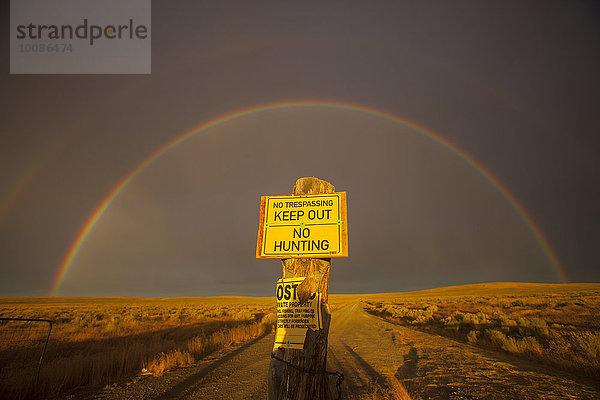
(96, 342)
(391, 389)
(554, 325)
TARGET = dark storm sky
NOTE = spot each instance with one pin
(513, 84)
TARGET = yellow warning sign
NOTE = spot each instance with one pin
(294, 318)
(303, 226)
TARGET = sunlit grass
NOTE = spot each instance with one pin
(390, 389)
(96, 342)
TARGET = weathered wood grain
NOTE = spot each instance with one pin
(285, 382)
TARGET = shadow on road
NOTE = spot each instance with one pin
(409, 368)
(188, 383)
(371, 372)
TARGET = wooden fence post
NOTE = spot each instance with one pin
(286, 382)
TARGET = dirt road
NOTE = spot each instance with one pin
(369, 351)
(367, 348)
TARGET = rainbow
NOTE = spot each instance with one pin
(89, 224)
(9, 198)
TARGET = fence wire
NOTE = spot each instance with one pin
(23, 343)
(338, 374)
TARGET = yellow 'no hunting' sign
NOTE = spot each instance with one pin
(303, 226)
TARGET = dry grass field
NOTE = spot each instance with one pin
(96, 341)
(555, 324)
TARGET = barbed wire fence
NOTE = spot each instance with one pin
(23, 344)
